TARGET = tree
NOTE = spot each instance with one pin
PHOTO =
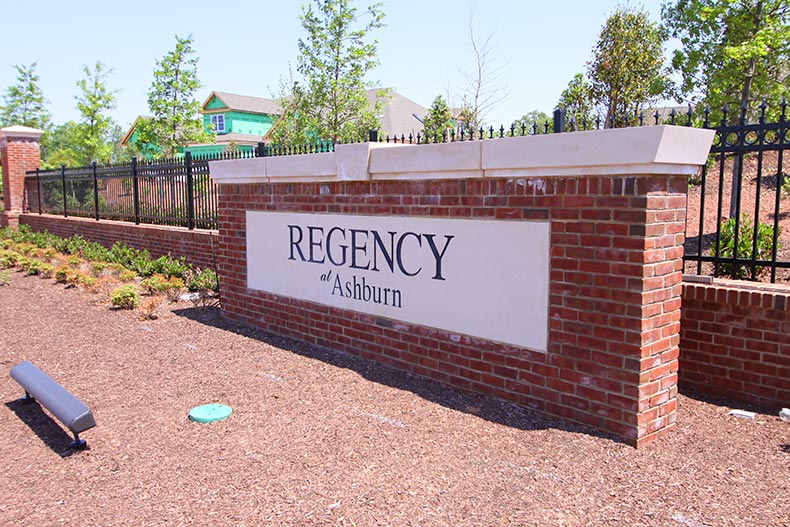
(331, 101)
(732, 52)
(62, 146)
(438, 120)
(95, 127)
(483, 84)
(171, 100)
(24, 101)
(577, 101)
(627, 65)
(524, 125)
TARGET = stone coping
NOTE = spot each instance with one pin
(669, 150)
(23, 132)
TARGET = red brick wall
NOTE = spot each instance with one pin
(614, 307)
(735, 341)
(197, 246)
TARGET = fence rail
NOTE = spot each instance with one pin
(740, 199)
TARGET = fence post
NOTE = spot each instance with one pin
(136, 190)
(261, 149)
(373, 136)
(190, 191)
(559, 120)
(63, 181)
(38, 191)
(95, 193)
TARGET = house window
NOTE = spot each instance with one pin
(218, 121)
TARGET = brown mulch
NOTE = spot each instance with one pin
(322, 438)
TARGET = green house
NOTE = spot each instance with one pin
(238, 120)
(241, 121)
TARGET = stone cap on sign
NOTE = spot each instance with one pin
(23, 132)
(669, 150)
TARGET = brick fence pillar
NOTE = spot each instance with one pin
(19, 152)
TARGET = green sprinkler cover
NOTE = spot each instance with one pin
(208, 413)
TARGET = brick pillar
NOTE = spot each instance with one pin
(19, 152)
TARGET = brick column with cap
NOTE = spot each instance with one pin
(19, 153)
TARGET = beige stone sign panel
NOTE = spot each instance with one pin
(482, 278)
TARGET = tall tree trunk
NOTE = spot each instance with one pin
(737, 175)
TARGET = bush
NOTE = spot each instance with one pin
(24, 248)
(203, 280)
(62, 274)
(169, 266)
(127, 275)
(158, 283)
(31, 266)
(8, 259)
(125, 297)
(83, 279)
(765, 240)
(46, 270)
(127, 261)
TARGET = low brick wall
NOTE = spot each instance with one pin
(735, 341)
(197, 246)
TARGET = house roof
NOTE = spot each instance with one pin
(129, 133)
(243, 103)
(398, 113)
(396, 116)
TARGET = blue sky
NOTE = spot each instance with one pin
(245, 46)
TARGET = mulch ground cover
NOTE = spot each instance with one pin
(322, 438)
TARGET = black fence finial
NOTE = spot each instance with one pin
(559, 120)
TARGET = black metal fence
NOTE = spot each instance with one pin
(163, 192)
(740, 201)
(737, 203)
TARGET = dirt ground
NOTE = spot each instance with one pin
(320, 438)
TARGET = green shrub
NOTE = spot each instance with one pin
(31, 266)
(169, 266)
(203, 280)
(158, 283)
(46, 270)
(125, 297)
(4, 277)
(99, 267)
(24, 248)
(765, 240)
(95, 252)
(8, 259)
(127, 275)
(25, 241)
(84, 279)
(62, 274)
